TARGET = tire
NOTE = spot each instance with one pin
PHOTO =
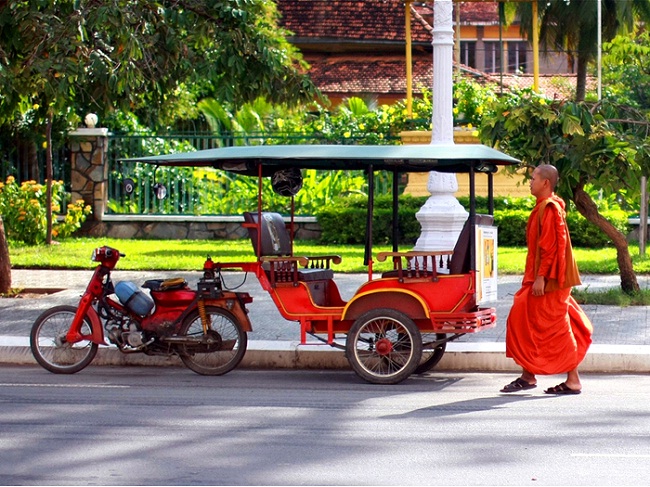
(430, 356)
(47, 341)
(221, 350)
(384, 346)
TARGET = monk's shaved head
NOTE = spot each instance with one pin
(546, 171)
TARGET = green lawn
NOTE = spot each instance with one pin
(75, 253)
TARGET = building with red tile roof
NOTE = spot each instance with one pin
(358, 47)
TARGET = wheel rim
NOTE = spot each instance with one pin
(52, 345)
(220, 350)
(383, 347)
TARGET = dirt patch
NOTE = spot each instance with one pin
(31, 293)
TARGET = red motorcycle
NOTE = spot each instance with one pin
(207, 327)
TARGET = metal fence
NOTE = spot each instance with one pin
(135, 188)
(26, 162)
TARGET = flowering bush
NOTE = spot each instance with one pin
(23, 209)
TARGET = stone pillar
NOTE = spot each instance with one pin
(442, 216)
(89, 168)
(443, 87)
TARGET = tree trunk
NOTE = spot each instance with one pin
(28, 158)
(588, 209)
(48, 176)
(5, 263)
(581, 78)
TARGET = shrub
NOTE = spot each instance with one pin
(23, 209)
(344, 221)
(586, 234)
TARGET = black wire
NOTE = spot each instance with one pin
(225, 286)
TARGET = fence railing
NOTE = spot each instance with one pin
(27, 162)
(134, 188)
(190, 191)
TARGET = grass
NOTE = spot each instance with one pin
(612, 297)
(75, 253)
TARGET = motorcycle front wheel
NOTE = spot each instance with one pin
(50, 348)
(220, 349)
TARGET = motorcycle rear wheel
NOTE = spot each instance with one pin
(51, 351)
(220, 350)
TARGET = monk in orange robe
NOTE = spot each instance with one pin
(547, 332)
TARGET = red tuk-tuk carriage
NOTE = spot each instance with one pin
(397, 323)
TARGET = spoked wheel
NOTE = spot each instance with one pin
(384, 346)
(431, 354)
(50, 348)
(220, 349)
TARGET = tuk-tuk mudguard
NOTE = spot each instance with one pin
(403, 300)
(445, 293)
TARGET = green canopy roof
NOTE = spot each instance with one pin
(401, 158)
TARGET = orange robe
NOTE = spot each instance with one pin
(548, 334)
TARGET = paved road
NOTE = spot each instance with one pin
(153, 426)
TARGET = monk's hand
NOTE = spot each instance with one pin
(538, 286)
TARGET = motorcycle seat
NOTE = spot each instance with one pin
(165, 284)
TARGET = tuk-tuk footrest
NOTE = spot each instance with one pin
(465, 322)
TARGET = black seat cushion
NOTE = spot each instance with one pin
(275, 239)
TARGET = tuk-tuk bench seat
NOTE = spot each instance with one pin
(415, 264)
(457, 261)
(272, 244)
(288, 269)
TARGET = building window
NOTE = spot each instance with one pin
(492, 57)
(468, 53)
(517, 60)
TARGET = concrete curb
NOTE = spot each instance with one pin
(468, 357)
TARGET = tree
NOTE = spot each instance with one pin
(61, 59)
(5, 263)
(586, 147)
(626, 69)
(65, 58)
(572, 27)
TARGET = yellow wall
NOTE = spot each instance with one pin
(504, 184)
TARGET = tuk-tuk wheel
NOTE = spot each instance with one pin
(384, 346)
(430, 355)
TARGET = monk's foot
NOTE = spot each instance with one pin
(518, 385)
(562, 389)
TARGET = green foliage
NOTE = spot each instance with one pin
(571, 27)
(586, 234)
(207, 191)
(626, 69)
(574, 137)
(141, 56)
(23, 210)
(472, 101)
(344, 220)
(512, 228)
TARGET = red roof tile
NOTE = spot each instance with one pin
(376, 20)
(386, 75)
(370, 20)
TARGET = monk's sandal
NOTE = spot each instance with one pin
(517, 385)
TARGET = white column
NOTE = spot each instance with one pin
(442, 216)
(443, 52)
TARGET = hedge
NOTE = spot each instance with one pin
(344, 222)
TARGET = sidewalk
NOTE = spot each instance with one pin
(621, 341)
